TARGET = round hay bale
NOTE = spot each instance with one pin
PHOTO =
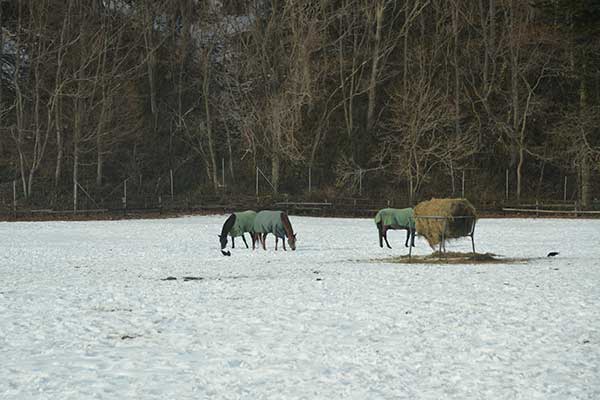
(438, 219)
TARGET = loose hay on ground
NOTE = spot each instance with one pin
(453, 258)
(432, 229)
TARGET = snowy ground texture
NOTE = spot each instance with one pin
(84, 314)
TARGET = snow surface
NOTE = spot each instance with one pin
(84, 313)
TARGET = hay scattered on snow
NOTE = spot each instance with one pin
(455, 258)
(432, 229)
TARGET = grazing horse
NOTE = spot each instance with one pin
(236, 225)
(393, 218)
(277, 223)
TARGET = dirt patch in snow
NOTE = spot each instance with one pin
(454, 258)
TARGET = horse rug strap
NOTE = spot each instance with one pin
(244, 222)
(396, 218)
(269, 222)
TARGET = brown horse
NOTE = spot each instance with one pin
(277, 223)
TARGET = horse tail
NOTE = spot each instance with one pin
(380, 231)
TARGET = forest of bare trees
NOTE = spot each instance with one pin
(377, 97)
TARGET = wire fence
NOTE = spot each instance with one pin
(165, 194)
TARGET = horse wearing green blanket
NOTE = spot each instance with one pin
(236, 225)
(277, 223)
(394, 218)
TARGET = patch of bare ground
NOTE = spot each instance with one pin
(454, 258)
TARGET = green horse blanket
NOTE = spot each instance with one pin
(244, 222)
(396, 218)
(269, 222)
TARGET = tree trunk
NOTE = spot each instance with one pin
(59, 146)
(275, 169)
(18, 137)
(584, 158)
(78, 111)
(374, 66)
(209, 131)
(75, 173)
(151, 62)
(39, 141)
(586, 195)
(1, 58)
(405, 63)
(520, 171)
(456, 70)
(102, 121)
(99, 161)
(57, 105)
(230, 152)
(514, 84)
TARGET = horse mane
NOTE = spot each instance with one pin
(287, 225)
(228, 225)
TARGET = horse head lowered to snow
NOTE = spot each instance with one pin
(394, 218)
(236, 225)
(277, 223)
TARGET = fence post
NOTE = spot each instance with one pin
(360, 182)
(507, 184)
(75, 183)
(125, 197)
(15, 198)
(223, 170)
(171, 175)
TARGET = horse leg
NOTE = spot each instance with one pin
(412, 237)
(244, 239)
(283, 241)
(232, 242)
(407, 237)
(276, 240)
(264, 241)
(385, 237)
(254, 239)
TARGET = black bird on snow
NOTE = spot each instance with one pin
(553, 253)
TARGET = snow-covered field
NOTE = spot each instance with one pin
(84, 313)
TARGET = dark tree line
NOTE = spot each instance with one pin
(407, 93)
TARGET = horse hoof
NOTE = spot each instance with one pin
(226, 253)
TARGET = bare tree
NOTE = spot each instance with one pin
(528, 60)
(419, 138)
(577, 138)
(368, 34)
